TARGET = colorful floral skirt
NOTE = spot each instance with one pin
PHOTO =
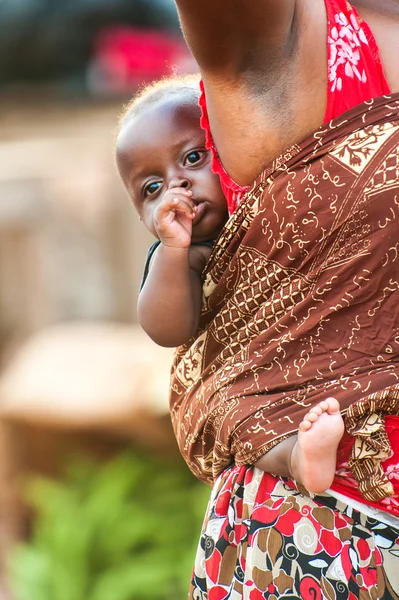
(263, 538)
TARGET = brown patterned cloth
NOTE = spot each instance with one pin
(365, 421)
(300, 298)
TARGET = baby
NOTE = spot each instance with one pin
(164, 164)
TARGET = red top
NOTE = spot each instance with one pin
(355, 74)
(231, 189)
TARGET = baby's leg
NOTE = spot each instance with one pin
(310, 457)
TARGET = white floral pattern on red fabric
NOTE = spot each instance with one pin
(392, 472)
(391, 503)
(345, 39)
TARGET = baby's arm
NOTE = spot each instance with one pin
(169, 303)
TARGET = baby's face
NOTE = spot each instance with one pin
(164, 147)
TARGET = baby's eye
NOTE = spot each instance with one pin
(151, 188)
(194, 156)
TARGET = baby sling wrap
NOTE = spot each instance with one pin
(301, 302)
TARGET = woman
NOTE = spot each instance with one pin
(300, 295)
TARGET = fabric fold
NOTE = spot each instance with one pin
(300, 298)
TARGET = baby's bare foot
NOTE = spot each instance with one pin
(314, 455)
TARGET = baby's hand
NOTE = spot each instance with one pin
(173, 218)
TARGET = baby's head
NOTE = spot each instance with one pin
(160, 145)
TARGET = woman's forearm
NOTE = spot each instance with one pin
(169, 303)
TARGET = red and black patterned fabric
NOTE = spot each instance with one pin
(264, 539)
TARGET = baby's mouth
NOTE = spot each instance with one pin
(200, 207)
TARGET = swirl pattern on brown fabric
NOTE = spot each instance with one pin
(300, 297)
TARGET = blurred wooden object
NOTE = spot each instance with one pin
(86, 374)
(71, 245)
(95, 388)
(71, 249)
(21, 277)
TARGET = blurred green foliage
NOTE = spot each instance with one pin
(125, 530)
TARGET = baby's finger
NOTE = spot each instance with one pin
(184, 206)
(177, 204)
(180, 193)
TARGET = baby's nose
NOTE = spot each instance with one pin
(180, 182)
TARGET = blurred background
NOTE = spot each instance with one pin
(95, 500)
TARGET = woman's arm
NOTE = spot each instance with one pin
(223, 34)
(169, 303)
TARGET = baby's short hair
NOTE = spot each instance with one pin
(182, 86)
